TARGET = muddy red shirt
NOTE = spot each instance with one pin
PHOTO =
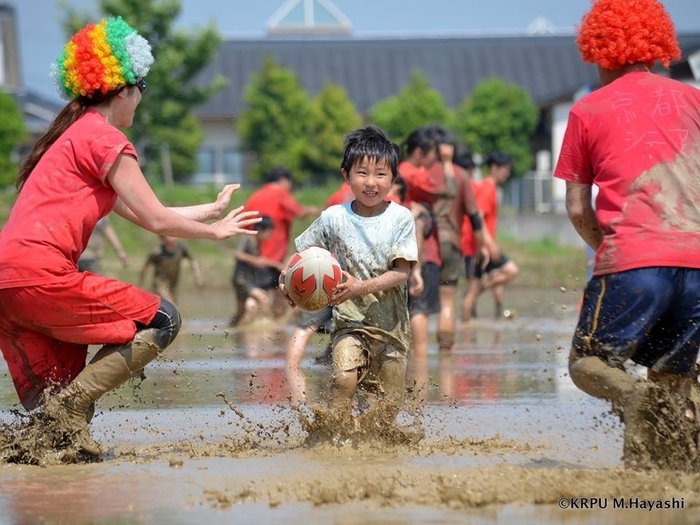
(41, 240)
(278, 204)
(424, 187)
(486, 193)
(469, 243)
(638, 140)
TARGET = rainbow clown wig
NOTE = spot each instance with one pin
(101, 58)
(617, 33)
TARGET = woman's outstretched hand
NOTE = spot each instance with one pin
(223, 200)
(236, 222)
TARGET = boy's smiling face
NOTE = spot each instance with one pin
(370, 181)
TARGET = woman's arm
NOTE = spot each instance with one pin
(209, 211)
(139, 204)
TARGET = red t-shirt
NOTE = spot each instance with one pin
(421, 189)
(638, 140)
(487, 202)
(468, 240)
(341, 195)
(60, 203)
(277, 203)
(423, 185)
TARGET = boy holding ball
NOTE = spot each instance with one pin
(375, 243)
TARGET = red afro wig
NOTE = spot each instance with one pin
(617, 33)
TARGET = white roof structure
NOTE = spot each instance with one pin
(309, 17)
(541, 26)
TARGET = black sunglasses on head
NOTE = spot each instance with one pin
(141, 85)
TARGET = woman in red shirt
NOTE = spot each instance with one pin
(79, 171)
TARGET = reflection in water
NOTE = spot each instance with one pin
(491, 360)
(230, 389)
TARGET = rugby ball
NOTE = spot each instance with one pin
(312, 276)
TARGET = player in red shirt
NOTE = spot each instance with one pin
(499, 271)
(275, 200)
(469, 239)
(637, 138)
(79, 171)
(456, 200)
(340, 196)
(423, 187)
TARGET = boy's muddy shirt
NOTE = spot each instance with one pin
(366, 248)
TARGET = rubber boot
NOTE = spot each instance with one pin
(112, 366)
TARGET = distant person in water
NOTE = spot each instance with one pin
(166, 260)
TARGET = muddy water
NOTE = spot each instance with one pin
(211, 435)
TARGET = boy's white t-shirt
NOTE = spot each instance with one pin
(366, 247)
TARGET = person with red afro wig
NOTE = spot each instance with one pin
(619, 33)
(637, 139)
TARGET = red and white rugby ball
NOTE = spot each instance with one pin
(311, 278)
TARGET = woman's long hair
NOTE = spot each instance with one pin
(68, 115)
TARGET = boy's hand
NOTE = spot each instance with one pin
(415, 282)
(350, 288)
(283, 288)
(446, 152)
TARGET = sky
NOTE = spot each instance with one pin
(41, 37)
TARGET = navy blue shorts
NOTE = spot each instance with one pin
(649, 315)
(493, 264)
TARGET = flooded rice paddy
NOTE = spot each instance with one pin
(211, 436)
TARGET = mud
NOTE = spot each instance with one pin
(661, 431)
(496, 433)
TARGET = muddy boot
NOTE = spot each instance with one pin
(692, 411)
(90, 413)
(592, 375)
(640, 422)
(112, 366)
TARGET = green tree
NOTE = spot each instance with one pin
(12, 133)
(275, 122)
(499, 116)
(164, 122)
(417, 104)
(331, 116)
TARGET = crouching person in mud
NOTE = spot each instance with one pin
(81, 170)
(375, 243)
(638, 139)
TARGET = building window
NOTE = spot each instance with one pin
(233, 163)
(205, 161)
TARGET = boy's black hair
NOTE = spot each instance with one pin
(372, 143)
(279, 173)
(442, 136)
(423, 138)
(266, 223)
(499, 159)
(464, 158)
